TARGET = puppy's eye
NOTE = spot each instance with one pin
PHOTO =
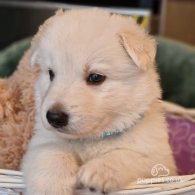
(51, 74)
(95, 79)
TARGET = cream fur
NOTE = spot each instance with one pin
(74, 44)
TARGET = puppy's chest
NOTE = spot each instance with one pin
(88, 150)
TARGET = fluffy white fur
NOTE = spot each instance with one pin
(74, 44)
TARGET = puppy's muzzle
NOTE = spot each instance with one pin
(57, 118)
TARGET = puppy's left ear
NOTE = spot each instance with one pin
(140, 47)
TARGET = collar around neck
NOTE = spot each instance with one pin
(116, 132)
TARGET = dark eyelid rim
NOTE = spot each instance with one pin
(95, 84)
(49, 69)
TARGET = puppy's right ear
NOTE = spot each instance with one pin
(33, 59)
(39, 34)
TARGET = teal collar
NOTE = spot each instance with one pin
(109, 134)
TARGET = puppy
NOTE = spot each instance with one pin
(99, 119)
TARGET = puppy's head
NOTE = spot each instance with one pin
(97, 72)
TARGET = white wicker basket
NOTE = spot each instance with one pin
(11, 183)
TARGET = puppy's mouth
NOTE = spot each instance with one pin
(64, 131)
(68, 134)
(80, 135)
(72, 134)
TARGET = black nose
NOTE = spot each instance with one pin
(57, 119)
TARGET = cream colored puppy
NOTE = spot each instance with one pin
(99, 121)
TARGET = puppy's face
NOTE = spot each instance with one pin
(96, 75)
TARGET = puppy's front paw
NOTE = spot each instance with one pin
(99, 175)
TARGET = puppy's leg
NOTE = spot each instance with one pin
(49, 170)
(114, 170)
